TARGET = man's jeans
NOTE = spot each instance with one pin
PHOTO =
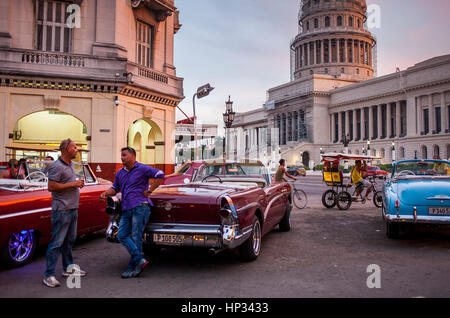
(131, 228)
(64, 233)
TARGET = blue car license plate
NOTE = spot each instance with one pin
(439, 211)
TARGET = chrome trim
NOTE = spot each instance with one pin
(266, 211)
(419, 219)
(415, 214)
(179, 228)
(439, 197)
(216, 236)
(24, 213)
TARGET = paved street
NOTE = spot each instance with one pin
(326, 254)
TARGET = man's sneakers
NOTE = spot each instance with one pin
(140, 267)
(137, 270)
(51, 281)
(127, 274)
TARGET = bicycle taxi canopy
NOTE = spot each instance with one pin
(332, 174)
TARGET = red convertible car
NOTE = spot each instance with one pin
(184, 173)
(25, 210)
(227, 205)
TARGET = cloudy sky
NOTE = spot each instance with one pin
(241, 47)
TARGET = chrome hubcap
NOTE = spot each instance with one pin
(256, 238)
(20, 245)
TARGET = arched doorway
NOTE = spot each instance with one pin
(137, 142)
(49, 128)
(146, 136)
(305, 158)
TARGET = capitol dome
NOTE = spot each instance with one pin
(333, 40)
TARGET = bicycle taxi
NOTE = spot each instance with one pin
(340, 187)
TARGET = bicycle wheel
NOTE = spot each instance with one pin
(300, 199)
(344, 200)
(329, 199)
(378, 199)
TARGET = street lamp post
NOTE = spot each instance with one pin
(393, 152)
(368, 147)
(228, 118)
(202, 91)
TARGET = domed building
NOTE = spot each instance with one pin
(333, 40)
(334, 96)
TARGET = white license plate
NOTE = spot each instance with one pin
(439, 210)
(170, 239)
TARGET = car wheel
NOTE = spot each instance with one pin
(392, 230)
(344, 200)
(378, 199)
(329, 199)
(251, 248)
(19, 249)
(285, 224)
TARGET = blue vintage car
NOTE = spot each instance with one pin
(417, 192)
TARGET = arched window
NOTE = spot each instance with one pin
(316, 23)
(436, 151)
(382, 153)
(402, 153)
(359, 23)
(307, 26)
(350, 22)
(339, 21)
(424, 152)
(327, 22)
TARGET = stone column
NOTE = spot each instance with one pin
(444, 115)
(380, 121)
(339, 136)
(397, 120)
(338, 46)
(370, 123)
(331, 127)
(346, 51)
(322, 50)
(389, 132)
(359, 52)
(432, 116)
(355, 129)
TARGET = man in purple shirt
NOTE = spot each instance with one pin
(133, 182)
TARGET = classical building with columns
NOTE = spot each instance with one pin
(100, 72)
(333, 95)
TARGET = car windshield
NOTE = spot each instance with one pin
(232, 170)
(34, 176)
(412, 169)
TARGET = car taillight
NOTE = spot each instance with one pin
(397, 205)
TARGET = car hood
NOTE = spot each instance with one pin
(420, 192)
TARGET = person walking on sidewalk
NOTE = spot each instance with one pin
(133, 181)
(64, 186)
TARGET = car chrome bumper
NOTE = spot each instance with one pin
(430, 219)
(199, 235)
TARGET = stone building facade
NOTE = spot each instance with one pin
(403, 115)
(100, 72)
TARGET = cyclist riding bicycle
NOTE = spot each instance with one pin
(359, 181)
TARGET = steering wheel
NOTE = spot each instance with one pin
(212, 175)
(406, 172)
(38, 176)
